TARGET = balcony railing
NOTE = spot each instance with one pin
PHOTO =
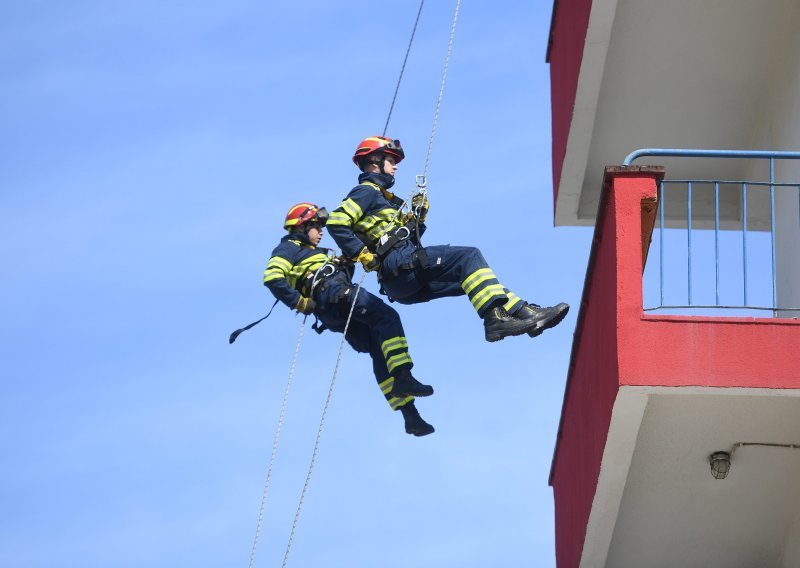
(711, 261)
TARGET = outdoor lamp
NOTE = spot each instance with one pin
(720, 464)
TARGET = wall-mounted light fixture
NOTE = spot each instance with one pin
(720, 464)
(721, 461)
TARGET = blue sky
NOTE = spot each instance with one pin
(151, 150)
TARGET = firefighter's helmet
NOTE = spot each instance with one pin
(303, 213)
(378, 144)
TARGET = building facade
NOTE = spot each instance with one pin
(686, 355)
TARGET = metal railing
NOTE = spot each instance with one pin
(668, 277)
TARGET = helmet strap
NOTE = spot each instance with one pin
(379, 159)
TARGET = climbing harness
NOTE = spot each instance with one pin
(399, 234)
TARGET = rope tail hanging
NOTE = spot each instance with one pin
(284, 402)
(321, 424)
(275, 442)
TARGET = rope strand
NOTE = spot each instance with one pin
(275, 442)
(441, 89)
(321, 424)
(421, 184)
(403, 67)
(422, 180)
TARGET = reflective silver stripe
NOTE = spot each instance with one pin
(397, 360)
(393, 343)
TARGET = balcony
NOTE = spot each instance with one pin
(654, 389)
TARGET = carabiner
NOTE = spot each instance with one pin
(326, 270)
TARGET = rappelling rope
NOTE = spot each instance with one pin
(421, 183)
(441, 89)
(322, 423)
(275, 441)
(403, 67)
(421, 180)
(277, 436)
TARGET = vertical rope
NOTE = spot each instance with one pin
(441, 88)
(321, 425)
(403, 68)
(352, 307)
(275, 442)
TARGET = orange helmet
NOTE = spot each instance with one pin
(378, 144)
(303, 213)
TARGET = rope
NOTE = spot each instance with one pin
(422, 180)
(275, 442)
(403, 68)
(441, 88)
(321, 424)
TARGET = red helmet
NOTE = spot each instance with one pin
(303, 213)
(378, 143)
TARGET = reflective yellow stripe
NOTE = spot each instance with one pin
(270, 275)
(393, 362)
(366, 224)
(378, 223)
(278, 262)
(513, 300)
(339, 218)
(494, 289)
(280, 266)
(479, 281)
(352, 209)
(393, 343)
(467, 283)
(487, 294)
(396, 403)
(374, 186)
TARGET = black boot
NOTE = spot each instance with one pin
(414, 423)
(497, 324)
(545, 318)
(406, 385)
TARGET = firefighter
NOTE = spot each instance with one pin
(304, 277)
(368, 228)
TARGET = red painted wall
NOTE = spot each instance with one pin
(615, 345)
(565, 53)
(692, 351)
(591, 390)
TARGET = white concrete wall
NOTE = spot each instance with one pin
(779, 129)
(791, 547)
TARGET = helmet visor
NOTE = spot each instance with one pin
(322, 216)
(394, 148)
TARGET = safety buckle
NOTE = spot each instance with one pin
(326, 270)
(399, 233)
(422, 181)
